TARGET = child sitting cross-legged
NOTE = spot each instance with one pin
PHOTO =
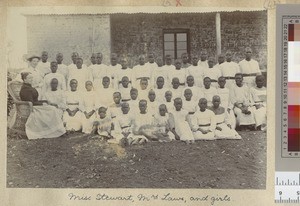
(143, 128)
(223, 127)
(180, 125)
(162, 122)
(103, 124)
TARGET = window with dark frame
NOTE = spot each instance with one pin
(176, 42)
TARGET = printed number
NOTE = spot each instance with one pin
(298, 192)
(280, 192)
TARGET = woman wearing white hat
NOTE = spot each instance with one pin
(37, 81)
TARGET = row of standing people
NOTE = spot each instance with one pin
(44, 71)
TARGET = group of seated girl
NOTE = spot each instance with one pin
(134, 115)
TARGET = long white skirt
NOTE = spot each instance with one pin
(87, 124)
(250, 81)
(244, 119)
(260, 116)
(184, 131)
(208, 136)
(232, 119)
(44, 122)
(226, 132)
(73, 123)
(229, 83)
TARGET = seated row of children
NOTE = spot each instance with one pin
(136, 127)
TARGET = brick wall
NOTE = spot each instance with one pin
(134, 34)
(67, 33)
(242, 29)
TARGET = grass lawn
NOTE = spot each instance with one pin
(78, 161)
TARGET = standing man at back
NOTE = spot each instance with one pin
(62, 68)
(229, 69)
(44, 65)
(203, 59)
(249, 68)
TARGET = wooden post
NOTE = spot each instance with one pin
(218, 33)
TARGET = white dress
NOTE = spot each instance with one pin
(205, 120)
(56, 97)
(163, 127)
(44, 68)
(248, 67)
(143, 94)
(73, 100)
(170, 106)
(160, 94)
(176, 93)
(98, 71)
(208, 94)
(63, 69)
(141, 71)
(197, 73)
(88, 104)
(111, 72)
(152, 66)
(197, 92)
(142, 120)
(226, 132)
(224, 96)
(115, 110)
(259, 96)
(122, 73)
(182, 127)
(203, 64)
(213, 73)
(104, 97)
(47, 82)
(81, 75)
(229, 69)
(104, 126)
(164, 72)
(125, 93)
(152, 107)
(226, 103)
(190, 106)
(124, 123)
(241, 95)
(133, 104)
(44, 122)
(180, 74)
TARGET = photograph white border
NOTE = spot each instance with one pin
(13, 196)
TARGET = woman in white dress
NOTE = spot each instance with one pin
(37, 81)
(88, 107)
